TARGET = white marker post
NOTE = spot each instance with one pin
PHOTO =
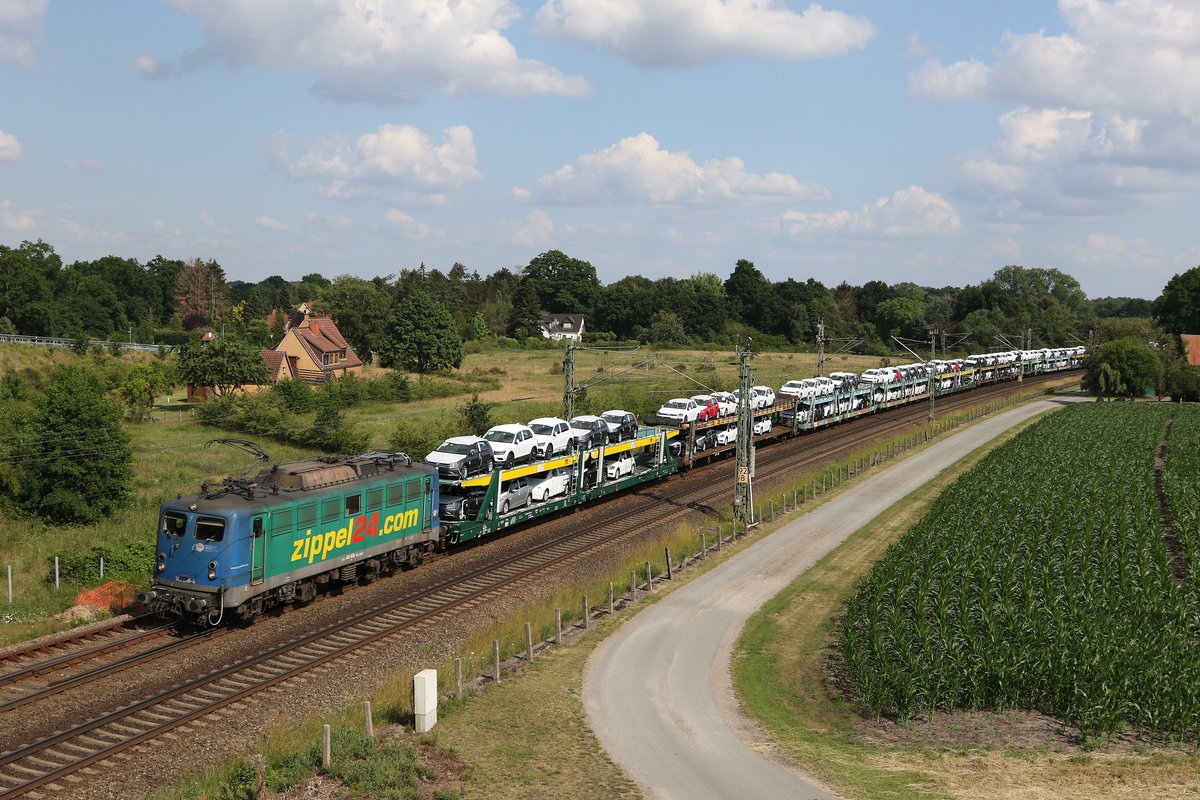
(425, 698)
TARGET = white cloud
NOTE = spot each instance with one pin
(637, 170)
(661, 33)
(11, 150)
(908, 212)
(13, 218)
(380, 51)
(396, 159)
(535, 231)
(86, 165)
(407, 227)
(1106, 115)
(329, 221)
(208, 221)
(271, 224)
(20, 26)
(83, 234)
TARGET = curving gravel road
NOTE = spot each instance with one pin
(658, 693)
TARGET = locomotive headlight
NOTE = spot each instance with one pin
(161, 566)
(212, 575)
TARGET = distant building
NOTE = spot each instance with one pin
(1191, 341)
(312, 350)
(562, 326)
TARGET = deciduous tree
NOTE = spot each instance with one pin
(1123, 368)
(1177, 309)
(422, 337)
(76, 458)
(220, 364)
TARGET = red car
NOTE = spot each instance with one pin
(708, 408)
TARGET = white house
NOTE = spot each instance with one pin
(562, 326)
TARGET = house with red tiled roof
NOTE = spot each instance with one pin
(1191, 343)
(312, 350)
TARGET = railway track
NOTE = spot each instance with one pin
(50, 766)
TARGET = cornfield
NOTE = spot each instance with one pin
(1047, 579)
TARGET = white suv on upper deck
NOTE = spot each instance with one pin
(512, 444)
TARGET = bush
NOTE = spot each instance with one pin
(391, 386)
(330, 431)
(416, 439)
(129, 562)
(261, 415)
(476, 415)
(296, 396)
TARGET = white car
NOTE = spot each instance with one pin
(727, 435)
(554, 483)
(619, 466)
(552, 435)
(878, 375)
(683, 409)
(762, 425)
(512, 444)
(726, 403)
(843, 380)
(762, 396)
(796, 389)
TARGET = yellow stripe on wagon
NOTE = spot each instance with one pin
(566, 461)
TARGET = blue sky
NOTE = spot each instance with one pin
(930, 141)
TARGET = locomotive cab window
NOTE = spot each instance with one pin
(256, 528)
(174, 523)
(209, 529)
(353, 505)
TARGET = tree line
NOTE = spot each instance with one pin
(417, 318)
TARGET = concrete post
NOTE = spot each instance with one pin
(612, 600)
(326, 747)
(529, 642)
(649, 578)
(586, 607)
(633, 587)
(56, 585)
(558, 626)
(368, 720)
(458, 677)
(496, 660)
(670, 571)
(425, 699)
